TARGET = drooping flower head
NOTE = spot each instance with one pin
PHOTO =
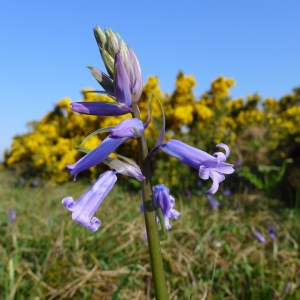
(212, 166)
(125, 130)
(164, 201)
(84, 208)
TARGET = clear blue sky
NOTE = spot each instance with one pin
(45, 46)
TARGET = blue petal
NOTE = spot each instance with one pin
(85, 207)
(136, 79)
(100, 108)
(225, 168)
(224, 146)
(186, 154)
(174, 214)
(126, 129)
(96, 156)
(203, 172)
(216, 178)
(122, 84)
(220, 156)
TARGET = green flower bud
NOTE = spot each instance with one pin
(108, 62)
(112, 44)
(100, 38)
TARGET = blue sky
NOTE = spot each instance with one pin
(45, 46)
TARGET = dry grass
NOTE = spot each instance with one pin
(45, 255)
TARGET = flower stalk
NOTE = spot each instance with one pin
(156, 261)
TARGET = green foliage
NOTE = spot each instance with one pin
(268, 176)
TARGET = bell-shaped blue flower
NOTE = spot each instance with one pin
(164, 201)
(100, 108)
(212, 166)
(125, 130)
(95, 156)
(84, 208)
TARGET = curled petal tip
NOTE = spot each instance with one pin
(225, 147)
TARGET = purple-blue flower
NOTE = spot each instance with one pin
(213, 203)
(164, 201)
(288, 288)
(12, 215)
(212, 166)
(135, 76)
(95, 156)
(84, 208)
(122, 83)
(131, 128)
(238, 163)
(122, 133)
(35, 183)
(100, 108)
(259, 237)
(227, 192)
(272, 232)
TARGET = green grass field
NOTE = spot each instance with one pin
(207, 254)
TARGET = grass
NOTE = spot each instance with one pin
(207, 254)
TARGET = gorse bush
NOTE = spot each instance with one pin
(259, 132)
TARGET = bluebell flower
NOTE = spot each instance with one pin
(35, 183)
(12, 215)
(259, 237)
(213, 203)
(100, 108)
(288, 288)
(238, 163)
(84, 208)
(164, 201)
(125, 130)
(227, 192)
(272, 232)
(95, 156)
(212, 166)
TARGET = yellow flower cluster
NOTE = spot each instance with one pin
(203, 122)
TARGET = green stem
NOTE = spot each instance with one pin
(156, 261)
